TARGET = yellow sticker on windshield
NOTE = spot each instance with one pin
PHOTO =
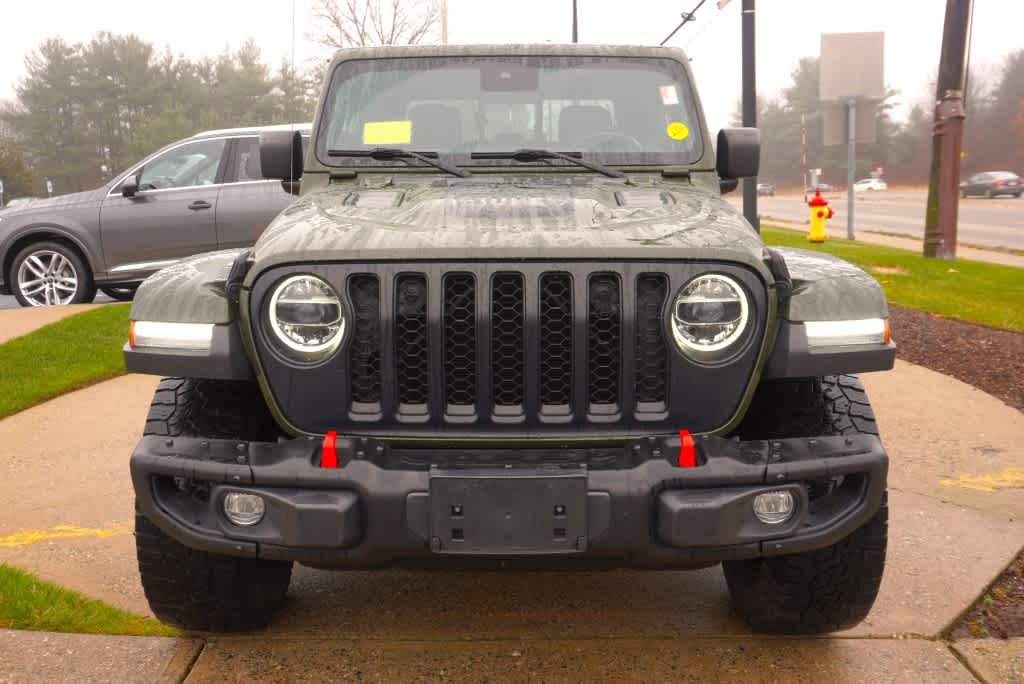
(677, 130)
(387, 133)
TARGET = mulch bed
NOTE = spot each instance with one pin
(993, 361)
(1000, 612)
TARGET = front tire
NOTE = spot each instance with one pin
(828, 589)
(193, 589)
(51, 274)
(121, 293)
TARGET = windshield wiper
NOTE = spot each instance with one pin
(386, 153)
(538, 155)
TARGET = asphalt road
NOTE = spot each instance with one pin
(991, 223)
(9, 302)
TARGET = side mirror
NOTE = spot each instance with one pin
(281, 155)
(738, 155)
(131, 186)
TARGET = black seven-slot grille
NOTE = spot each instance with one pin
(512, 348)
(505, 364)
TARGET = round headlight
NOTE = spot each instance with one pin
(709, 314)
(307, 317)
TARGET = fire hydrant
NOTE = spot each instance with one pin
(820, 211)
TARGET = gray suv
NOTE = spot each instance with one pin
(199, 194)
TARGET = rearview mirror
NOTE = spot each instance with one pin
(281, 155)
(738, 155)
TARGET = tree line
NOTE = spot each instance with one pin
(85, 111)
(88, 110)
(993, 134)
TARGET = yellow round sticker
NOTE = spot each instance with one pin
(677, 130)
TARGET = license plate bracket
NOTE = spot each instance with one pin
(508, 511)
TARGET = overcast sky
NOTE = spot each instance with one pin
(787, 30)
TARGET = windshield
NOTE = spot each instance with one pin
(627, 111)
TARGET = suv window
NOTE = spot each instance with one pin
(615, 110)
(247, 160)
(189, 165)
(246, 164)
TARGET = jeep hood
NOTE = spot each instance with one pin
(553, 217)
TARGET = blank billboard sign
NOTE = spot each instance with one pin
(852, 65)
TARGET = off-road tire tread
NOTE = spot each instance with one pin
(203, 591)
(218, 409)
(832, 588)
(193, 589)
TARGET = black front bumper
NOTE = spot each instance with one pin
(370, 513)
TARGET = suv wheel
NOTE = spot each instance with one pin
(828, 589)
(51, 274)
(195, 589)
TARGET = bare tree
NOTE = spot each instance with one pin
(360, 23)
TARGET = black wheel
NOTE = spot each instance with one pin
(195, 589)
(50, 274)
(828, 589)
(988, 194)
(122, 293)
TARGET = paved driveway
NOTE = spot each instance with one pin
(955, 506)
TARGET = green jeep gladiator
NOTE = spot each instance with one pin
(509, 322)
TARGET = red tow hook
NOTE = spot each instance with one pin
(687, 450)
(328, 454)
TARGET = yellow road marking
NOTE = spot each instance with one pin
(1009, 478)
(32, 536)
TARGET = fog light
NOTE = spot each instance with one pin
(244, 510)
(773, 508)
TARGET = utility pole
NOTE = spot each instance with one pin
(940, 222)
(575, 27)
(749, 107)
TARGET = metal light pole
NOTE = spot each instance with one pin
(575, 28)
(940, 221)
(851, 162)
(803, 152)
(749, 107)
(444, 22)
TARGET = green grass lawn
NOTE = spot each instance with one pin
(989, 294)
(27, 602)
(63, 356)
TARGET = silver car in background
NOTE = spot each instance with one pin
(196, 195)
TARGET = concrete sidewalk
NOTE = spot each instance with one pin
(49, 657)
(955, 523)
